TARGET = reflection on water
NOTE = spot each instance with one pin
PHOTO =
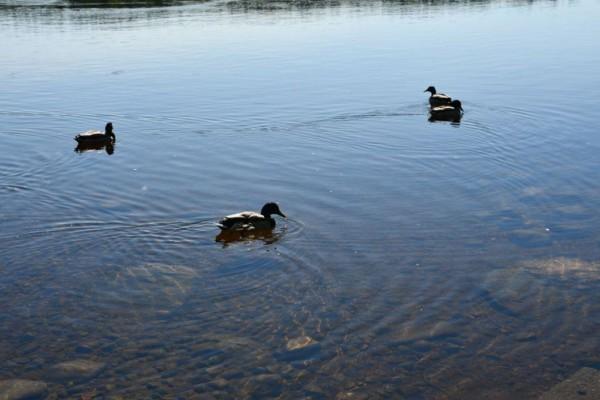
(120, 3)
(231, 236)
(424, 260)
(85, 147)
(116, 11)
(402, 6)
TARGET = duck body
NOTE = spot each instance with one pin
(94, 138)
(247, 220)
(437, 99)
(451, 112)
(250, 220)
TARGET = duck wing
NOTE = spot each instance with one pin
(90, 136)
(439, 99)
(442, 108)
(445, 113)
(240, 220)
(90, 133)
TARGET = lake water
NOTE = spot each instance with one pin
(424, 260)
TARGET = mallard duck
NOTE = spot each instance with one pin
(95, 138)
(437, 99)
(451, 112)
(249, 220)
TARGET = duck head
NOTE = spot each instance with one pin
(430, 89)
(271, 208)
(457, 105)
(108, 131)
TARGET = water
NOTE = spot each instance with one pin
(427, 260)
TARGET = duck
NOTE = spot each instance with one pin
(451, 112)
(250, 220)
(95, 138)
(437, 99)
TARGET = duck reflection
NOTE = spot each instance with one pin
(232, 236)
(83, 147)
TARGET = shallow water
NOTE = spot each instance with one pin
(427, 260)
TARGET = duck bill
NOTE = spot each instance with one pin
(282, 214)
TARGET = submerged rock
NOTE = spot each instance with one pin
(349, 395)
(300, 343)
(77, 369)
(18, 389)
(299, 348)
(264, 386)
(584, 384)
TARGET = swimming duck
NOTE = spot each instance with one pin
(249, 220)
(95, 138)
(437, 99)
(451, 112)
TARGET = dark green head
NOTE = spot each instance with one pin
(430, 89)
(108, 131)
(456, 104)
(271, 208)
